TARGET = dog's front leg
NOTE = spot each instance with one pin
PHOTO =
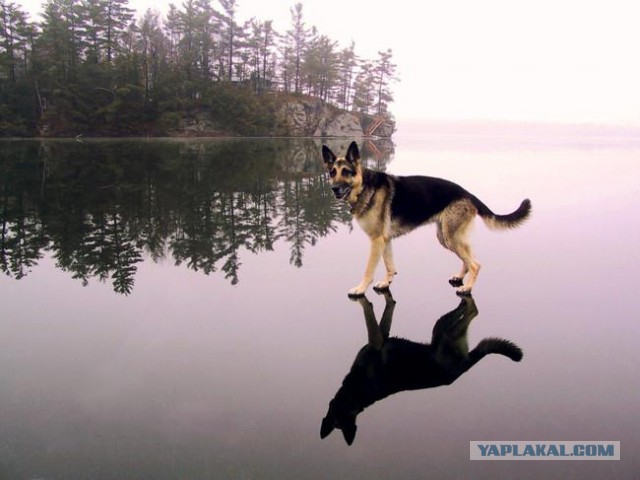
(377, 247)
(387, 256)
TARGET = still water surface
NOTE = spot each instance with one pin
(178, 309)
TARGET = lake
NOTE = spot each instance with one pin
(177, 309)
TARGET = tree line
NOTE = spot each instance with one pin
(93, 67)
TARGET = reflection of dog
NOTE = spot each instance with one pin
(387, 206)
(389, 365)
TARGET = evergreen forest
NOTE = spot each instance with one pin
(97, 67)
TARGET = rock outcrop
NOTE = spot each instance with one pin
(343, 125)
(295, 117)
(314, 118)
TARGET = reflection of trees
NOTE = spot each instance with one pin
(307, 212)
(214, 230)
(100, 206)
(99, 247)
(21, 228)
(21, 236)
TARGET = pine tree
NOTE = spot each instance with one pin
(347, 64)
(297, 38)
(364, 85)
(153, 49)
(117, 17)
(191, 40)
(231, 35)
(14, 36)
(106, 26)
(384, 72)
(17, 112)
(320, 66)
(260, 43)
(62, 38)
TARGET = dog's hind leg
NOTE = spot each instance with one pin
(377, 247)
(387, 256)
(469, 265)
(453, 227)
(456, 280)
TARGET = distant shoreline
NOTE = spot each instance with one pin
(420, 128)
(513, 128)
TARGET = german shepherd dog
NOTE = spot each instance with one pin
(387, 206)
(388, 365)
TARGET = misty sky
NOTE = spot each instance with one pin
(573, 61)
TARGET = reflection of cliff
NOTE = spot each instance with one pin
(100, 206)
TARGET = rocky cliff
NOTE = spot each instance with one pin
(294, 117)
(314, 118)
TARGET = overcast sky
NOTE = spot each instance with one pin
(570, 61)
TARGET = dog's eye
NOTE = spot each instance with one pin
(347, 173)
(333, 172)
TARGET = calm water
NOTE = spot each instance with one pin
(178, 310)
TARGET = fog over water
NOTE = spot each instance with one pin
(179, 309)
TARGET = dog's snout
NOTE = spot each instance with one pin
(340, 190)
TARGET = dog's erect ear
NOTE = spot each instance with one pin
(327, 427)
(349, 433)
(328, 156)
(353, 154)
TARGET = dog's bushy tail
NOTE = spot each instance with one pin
(502, 222)
(496, 345)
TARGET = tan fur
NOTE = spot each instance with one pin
(371, 208)
(453, 226)
(454, 223)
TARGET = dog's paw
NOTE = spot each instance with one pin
(455, 281)
(381, 286)
(356, 292)
(463, 292)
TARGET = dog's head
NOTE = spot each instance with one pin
(342, 419)
(345, 172)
